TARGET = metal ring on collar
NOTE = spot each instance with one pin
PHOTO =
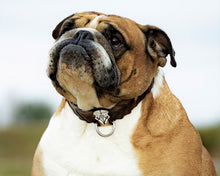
(105, 135)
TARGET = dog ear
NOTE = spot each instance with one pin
(56, 31)
(158, 45)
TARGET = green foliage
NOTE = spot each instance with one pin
(32, 112)
(211, 137)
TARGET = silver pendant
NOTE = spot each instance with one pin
(102, 116)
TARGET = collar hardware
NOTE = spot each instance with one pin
(108, 134)
(101, 116)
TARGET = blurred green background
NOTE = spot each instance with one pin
(19, 141)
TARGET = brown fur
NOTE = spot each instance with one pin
(60, 108)
(165, 141)
(37, 168)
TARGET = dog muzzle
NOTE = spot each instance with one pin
(89, 51)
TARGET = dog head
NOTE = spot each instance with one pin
(99, 60)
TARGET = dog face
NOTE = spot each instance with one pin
(99, 60)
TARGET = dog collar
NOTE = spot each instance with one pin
(102, 115)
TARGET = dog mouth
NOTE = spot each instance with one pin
(88, 54)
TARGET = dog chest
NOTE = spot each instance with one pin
(72, 147)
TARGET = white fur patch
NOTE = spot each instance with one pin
(94, 22)
(72, 147)
(158, 83)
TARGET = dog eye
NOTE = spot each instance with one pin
(115, 42)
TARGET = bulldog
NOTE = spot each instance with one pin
(118, 116)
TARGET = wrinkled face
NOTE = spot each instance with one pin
(99, 60)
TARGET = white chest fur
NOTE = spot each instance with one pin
(71, 147)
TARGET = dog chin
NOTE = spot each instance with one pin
(78, 89)
(87, 102)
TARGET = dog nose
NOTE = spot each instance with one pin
(83, 35)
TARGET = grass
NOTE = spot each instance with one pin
(18, 143)
(17, 146)
(211, 140)
(211, 137)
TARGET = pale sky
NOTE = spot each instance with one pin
(192, 25)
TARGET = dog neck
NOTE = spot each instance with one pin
(121, 109)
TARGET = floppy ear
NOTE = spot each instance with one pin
(158, 45)
(56, 31)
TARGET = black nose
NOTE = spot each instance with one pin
(83, 35)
